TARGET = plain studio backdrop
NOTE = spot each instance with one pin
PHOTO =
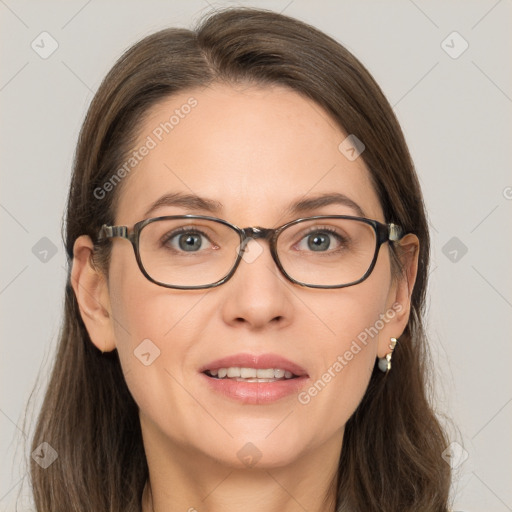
(445, 68)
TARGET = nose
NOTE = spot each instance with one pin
(257, 295)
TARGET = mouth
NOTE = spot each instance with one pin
(253, 368)
(247, 374)
(256, 379)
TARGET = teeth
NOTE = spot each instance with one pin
(233, 372)
(266, 374)
(250, 373)
(253, 374)
(256, 380)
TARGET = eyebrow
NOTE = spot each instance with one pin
(188, 201)
(313, 203)
(193, 202)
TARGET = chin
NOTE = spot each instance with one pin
(258, 451)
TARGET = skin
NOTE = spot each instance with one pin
(255, 150)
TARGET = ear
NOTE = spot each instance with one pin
(399, 299)
(91, 290)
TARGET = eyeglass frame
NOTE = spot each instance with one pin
(383, 233)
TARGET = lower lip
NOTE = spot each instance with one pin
(256, 393)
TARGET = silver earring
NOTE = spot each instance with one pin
(385, 362)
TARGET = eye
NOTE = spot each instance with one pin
(321, 240)
(186, 240)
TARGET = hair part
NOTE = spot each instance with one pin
(391, 453)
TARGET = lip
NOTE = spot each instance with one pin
(256, 393)
(258, 361)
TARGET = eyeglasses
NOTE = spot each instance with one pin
(190, 252)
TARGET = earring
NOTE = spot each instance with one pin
(385, 362)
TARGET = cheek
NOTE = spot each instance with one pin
(143, 310)
(153, 328)
(347, 349)
(349, 314)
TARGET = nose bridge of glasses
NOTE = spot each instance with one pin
(254, 233)
(257, 232)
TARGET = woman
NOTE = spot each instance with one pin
(248, 253)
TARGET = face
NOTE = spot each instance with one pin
(255, 151)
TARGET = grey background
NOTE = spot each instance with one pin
(456, 114)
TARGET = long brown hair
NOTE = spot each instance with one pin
(391, 455)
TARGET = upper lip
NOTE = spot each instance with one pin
(258, 361)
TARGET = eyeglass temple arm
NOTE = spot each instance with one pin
(395, 232)
(112, 231)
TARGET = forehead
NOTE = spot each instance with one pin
(252, 149)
